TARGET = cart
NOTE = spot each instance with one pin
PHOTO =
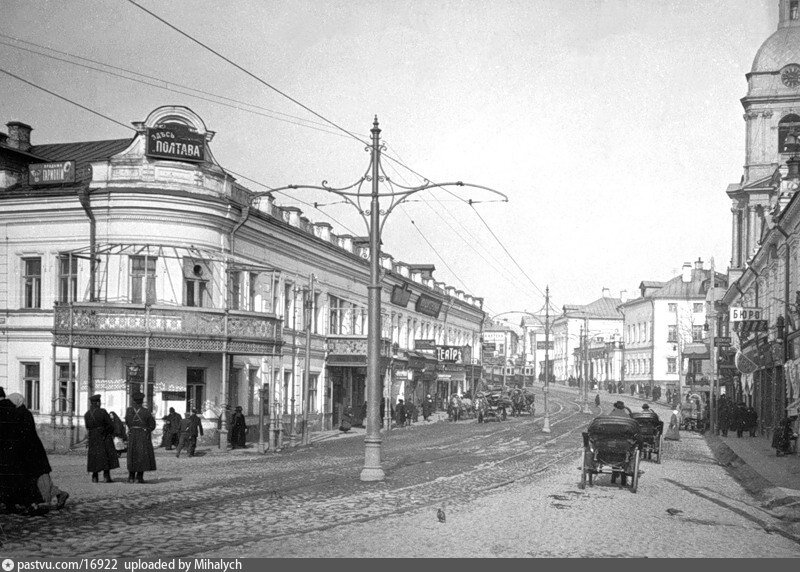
(611, 445)
(492, 405)
(652, 429)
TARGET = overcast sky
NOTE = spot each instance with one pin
(613, 126)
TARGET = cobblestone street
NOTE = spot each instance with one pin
(507, 489)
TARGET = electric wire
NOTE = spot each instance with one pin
(249, 73)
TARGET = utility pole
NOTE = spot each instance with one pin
(712, 352)
(546, 424)
(586, 365)
(309, 308)
(294, 360)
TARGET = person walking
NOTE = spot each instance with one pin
(101, 455)
(597, 400)
(400, 413)
(238, 429)
(174, 429)
(427, 407)
(141, 423)
(673, 431)
(190, 428)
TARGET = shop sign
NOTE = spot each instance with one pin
(428, 305)
(425, 345)
(489, 347)
(450, 354)
(544, 345)
(722, 341)
(51, 173)
(401, 295)
(740, 314)
(175, 141)
(347, 346)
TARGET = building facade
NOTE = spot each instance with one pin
(139, 264)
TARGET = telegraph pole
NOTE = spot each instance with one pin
(712, 352)
(546, 425)
(309, 308)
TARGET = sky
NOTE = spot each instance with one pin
(613, 127)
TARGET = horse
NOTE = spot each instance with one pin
(521, 400)
(481, 406)
(467, 407)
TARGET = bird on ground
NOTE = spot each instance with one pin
(440, 515)
(674, 511)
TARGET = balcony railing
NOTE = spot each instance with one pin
(166, 328)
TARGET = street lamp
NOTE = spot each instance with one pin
(375, 219)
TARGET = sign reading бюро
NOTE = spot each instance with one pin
(175, 141)
(739, 314)
(51, 173)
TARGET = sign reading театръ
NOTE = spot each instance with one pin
(428, 306)
(175, 141)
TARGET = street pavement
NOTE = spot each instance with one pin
(507, 490)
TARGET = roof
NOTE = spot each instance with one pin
(82, 153)
(781, 48)
(604, 308)
(651, 284)
(696, 288)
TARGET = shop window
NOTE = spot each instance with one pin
(32, 382)
(32, 282)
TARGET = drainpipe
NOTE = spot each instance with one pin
(83, 197)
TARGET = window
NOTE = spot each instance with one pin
(672, 334)
(32, 282)
(66, 389)
(789, 124)
(251, 292)
(134, 379)
(235, 290)
(32, 382)
(287, 384)
(672, 365)
(252, 388)
(793, 10)
(67, 278)
(289, 319)
(195, 389)
(143, 280)
(698, 307)
(313, 382)
(697, 333)
(334, 323)
(672, 307)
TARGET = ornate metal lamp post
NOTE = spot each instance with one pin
(375, 219)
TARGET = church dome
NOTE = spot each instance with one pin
(781, 48)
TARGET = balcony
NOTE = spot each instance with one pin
(166, 328)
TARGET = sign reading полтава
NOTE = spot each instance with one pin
(175, 141)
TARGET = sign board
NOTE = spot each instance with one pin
(428, 305)
(51, 173)
(425, 345)
(450, 354)
(739, 314)
(401, 295)
(544, 345)
(489, 347)
(745, 364)
(175, 141)
(722, 341)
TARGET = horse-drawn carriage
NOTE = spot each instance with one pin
(652, 429)
(693, 413)
(459, 407)
(522, 400)
(492, 404)
(611, 445)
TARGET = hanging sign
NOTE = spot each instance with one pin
(175, 141)
(428, 305)
(51, 173)
(401, 295)
(739, 314)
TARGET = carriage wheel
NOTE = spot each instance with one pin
(635, 479)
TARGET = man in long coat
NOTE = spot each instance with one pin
(190, 427)
(238, 429)
(17, 486)
(101, 453)
(174, 428)
(141, 456)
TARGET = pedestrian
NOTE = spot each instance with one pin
(597, 400)
(427, 407)
(784, 437)
(383, 410)
(101, 455)
(141, 423)
(33, 464)
(412, 412)
(619, 410)
(238, 429)
(190, 427)
(364, 414)
(673, 433)
(724, 415)
(400, 413)
(165, 431)
(633, 389)
(751, 420)
(120, 434)
(174, 429)
(347, 420)
(739, 418)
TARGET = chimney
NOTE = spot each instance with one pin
(623, 296)
(699, 264)
(606, 293)
(323, 230)
(686, 274)
(19, 135)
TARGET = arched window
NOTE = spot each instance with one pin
(786, 125)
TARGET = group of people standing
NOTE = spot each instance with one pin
(736, 417)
